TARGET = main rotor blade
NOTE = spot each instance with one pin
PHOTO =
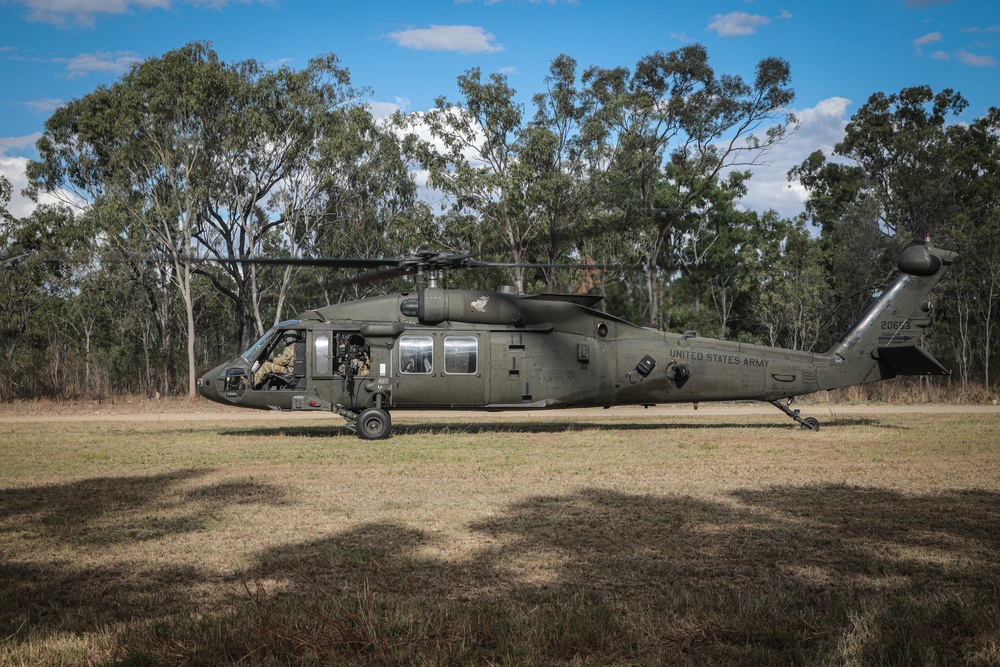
(371, 276)
(531, 265)
(321, 262)
(425, 261)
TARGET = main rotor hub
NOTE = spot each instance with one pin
(429, 261)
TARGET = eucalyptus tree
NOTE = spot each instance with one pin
(474, 155)
(908, 167)
(976, 230)
(269, 134)
(5, 193)
(138, 153)
(714, 251)
(357, 197)
(673, 130)
(33, 291)
(560, 143)
(789, 286)
(182, 154)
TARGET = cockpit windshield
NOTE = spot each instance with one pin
(254, 350)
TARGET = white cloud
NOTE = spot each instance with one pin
(976, 29)
(386, 109)
(12, 167)
(820, 128)
(44, 106)
(110, 62)
(83, 11)
(972, 60)
(736, 24)
(18, 143)
(460, 38)
(278, 63)
(217, 4)
(920, 42)
(530, 2)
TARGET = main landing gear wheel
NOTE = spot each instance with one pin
(374, 424)
(810, 424)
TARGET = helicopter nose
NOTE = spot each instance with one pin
(206, 385)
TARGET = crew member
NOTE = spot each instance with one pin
(279, 364)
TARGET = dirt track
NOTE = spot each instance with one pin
(180, 410)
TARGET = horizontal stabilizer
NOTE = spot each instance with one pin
(911, 360)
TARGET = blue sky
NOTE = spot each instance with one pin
(410, 53)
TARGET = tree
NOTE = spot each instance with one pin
(904, 171)
(355, 198)
(474, 156)
(138, 149)
(181, 157)
(790, 291)
(559, 146)
(34, 285)
(5, 192)
(673, 128)
(270, 129)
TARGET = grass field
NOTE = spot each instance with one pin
(723, 536)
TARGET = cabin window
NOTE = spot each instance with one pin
(461, 355)
(321, 348)
(416, 354)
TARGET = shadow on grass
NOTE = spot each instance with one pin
(521, 427)
(790, 575)
(89, 521)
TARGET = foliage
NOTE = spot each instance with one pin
(677, 135)
(187, 156)
(636, 173)
(902, 172)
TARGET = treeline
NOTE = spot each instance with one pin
(637, 172)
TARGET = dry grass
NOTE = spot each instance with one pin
(623, 536)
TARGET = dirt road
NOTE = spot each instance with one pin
(133, 410)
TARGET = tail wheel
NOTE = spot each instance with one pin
(374, 424)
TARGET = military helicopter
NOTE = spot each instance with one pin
(439, 348)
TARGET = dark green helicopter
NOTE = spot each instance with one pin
(439, 348)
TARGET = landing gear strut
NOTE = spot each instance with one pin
(807, 423)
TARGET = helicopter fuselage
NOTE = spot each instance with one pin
(463, 349)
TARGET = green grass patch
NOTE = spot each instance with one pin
(622, 538)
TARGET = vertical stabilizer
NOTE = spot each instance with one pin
(884, 342)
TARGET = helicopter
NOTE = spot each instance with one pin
(441, 348)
